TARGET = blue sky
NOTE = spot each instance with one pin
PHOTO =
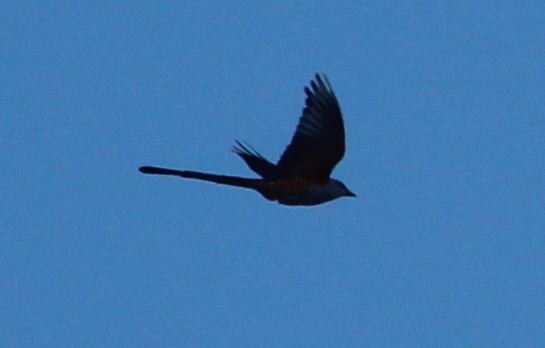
(445, 116)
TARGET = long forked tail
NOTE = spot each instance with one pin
(218, 179)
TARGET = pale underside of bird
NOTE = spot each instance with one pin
(302, 175)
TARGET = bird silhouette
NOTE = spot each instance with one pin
(302, 175)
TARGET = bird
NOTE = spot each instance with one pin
(301, 177)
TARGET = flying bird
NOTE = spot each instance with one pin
(302, 175)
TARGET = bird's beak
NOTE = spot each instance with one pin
(350, 194)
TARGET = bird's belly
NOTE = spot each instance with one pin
(298, 191)
(292, 186)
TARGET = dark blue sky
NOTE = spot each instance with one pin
(445, 116)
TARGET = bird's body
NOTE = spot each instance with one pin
(302, 175)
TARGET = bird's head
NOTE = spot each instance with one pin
(340, 189)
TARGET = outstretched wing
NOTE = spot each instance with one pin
(318, 143)
(255, 161)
